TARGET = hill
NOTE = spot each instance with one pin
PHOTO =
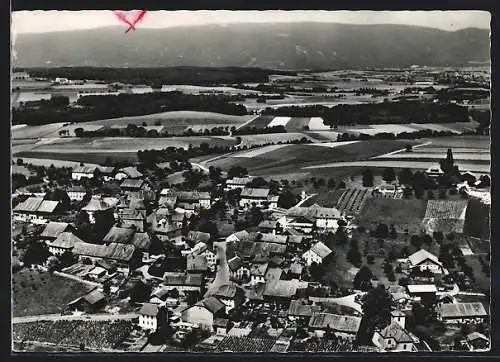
(280, 46)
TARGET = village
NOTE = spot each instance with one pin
(226, 261)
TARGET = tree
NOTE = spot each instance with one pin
(103, 222)
(416, 241)
(362, 279)
(427, 239)
(438, 236)
(354, 256)
(19, 162)
(331, 183)
(382, 231)
(237, 171)
(408, 148)
(53, 263)
(392, 232)
(388, 175)
(367, 177)
(62, 197)
(405, 176)
(287, 199)
(36, 253)
(376, 308)
(430, 195)
(317, 271)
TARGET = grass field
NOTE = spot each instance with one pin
(259, 139)
(72, 159)
(404, 214)
(35, 131)
(35, 293)
(177, 118)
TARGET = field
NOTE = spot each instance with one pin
(296, 158)
(259, 139)
(35, 293)
(177, 118)
(35, 131)
(94, 335)
(404, 214)
(352, 200)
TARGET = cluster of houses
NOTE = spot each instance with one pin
(259, 271)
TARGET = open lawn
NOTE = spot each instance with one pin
(35, 292)
(177, 118)
(404, 214)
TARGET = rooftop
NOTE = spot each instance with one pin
(341, 323)
(458, 310)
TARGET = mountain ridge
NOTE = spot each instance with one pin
(301, 45)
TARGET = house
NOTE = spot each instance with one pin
(196, 263)
(184, 282)
(459, 313)
(268, 226)
(282, 291)
(133, 218)
(238, 269)
(76, 193)
(343, 326)
(398, 317)
(238, 236)
(20, 76)
(272, 238)
(317, 254)
(420, 292)
(231, 295)
(121, 253)
(35, 210)
(64, 242)
(257, 273)
(423, 260)
(88, 172)
(195, 237)
(127, 172)
(96, 205)
(200, 250)
(249, 196)
(119, 235)
(222, 326)
(195, 198)
(132, 184)
(394, 338)
(152, 316)
(273, 202)
(477, 342)
(141, 241)
(91, 302)
(96, 273)
(107, 172)
(306, 218)
(298, 309)
(434, 171)
(387, 190)
(204, 312)
(53, 230)
(237, 182)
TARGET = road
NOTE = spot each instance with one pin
(222, 275)
(86, 317)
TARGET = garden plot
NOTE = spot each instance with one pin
(279, 121)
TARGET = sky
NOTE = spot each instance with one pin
(46, 21)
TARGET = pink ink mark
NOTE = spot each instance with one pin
(131, 18)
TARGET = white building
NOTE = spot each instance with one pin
(76, 193)
(152, 316)
(424, 260)
(83, 172)
(316, 254)
(250, 196)
(394, 338)
(237, 182)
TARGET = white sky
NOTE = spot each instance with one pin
(45, 21)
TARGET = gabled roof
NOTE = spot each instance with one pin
(315, 211)
(76, 189)
(198, 236)
(239, 181)
(212, 304)
(84, 169)
(341, 323)
(394, 330)
(235, 263)
(97, 204)
(476, 335)
(421, 288)
(421, 256)
(228, 291)
(267, 224)
(149, 309)
(141, 241)
(196, 262)
(298, 309)
(115, 251)
(119, 235)
(254, 192)
(95, 296)
(31, 204)
(459, 310)
(132, 183)
(131, 172)
(192, 195)
(258, 269)
(272, 238)
(282, 288)
(65, 240)
(48, 206)
(106, 170)
(54, 229)
(321, 250)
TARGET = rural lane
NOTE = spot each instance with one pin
(86, 317)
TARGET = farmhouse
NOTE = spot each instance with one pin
(462, 313)
(282, 292)
(394, 338)
(322, 217)
(342, 325)
(204, 312)
(127, 172)
(195, 198)
(268, 226)
(424, 260)
(272, 238)
(152, 316)
(257, 273)
(237, 182)
(387, 190)
(434, 171)
(184, 282)
(76, 193)
(35, 210)
(84, 172)
(300, 310)
(249, 196)
(53, 230)
(64, 242)
(421, 291)
(132, 184)
(119, 235)
(96, 205)
(477, 341)
(238, 269)
(132, 218)
(90, 302)
(122, 253)
(231, 295)
(107, 172)
(316, 254)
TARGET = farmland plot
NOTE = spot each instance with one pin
(317, 124)
(445, 216)
(279, 121)
(36, 131)
(260, 139)
(352, 200)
